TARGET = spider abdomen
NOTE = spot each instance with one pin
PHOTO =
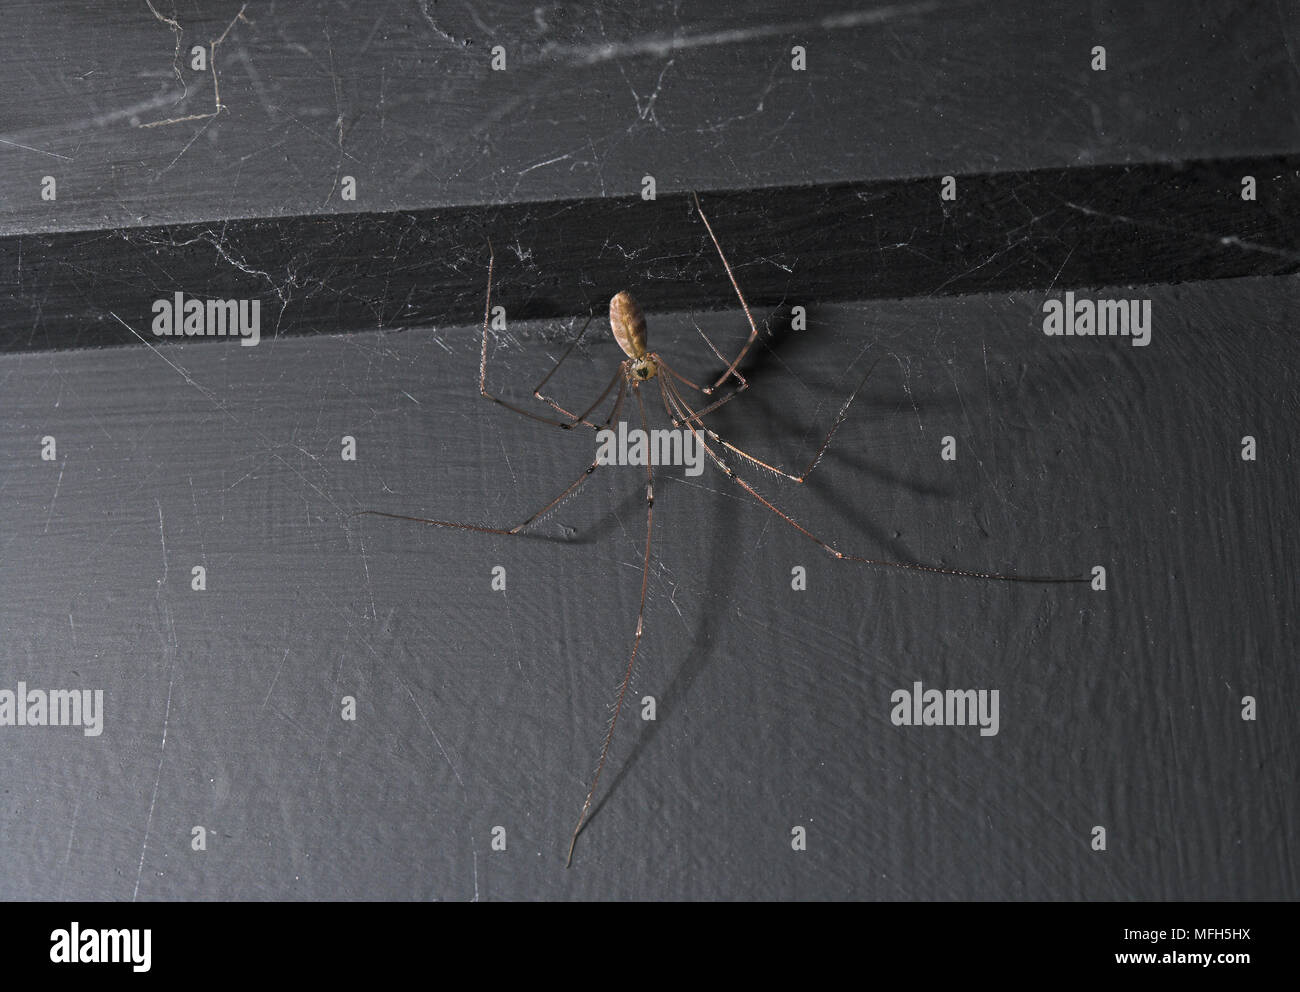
(628, 324)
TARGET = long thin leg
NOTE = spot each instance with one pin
(636, 642)
(482, 362)
(744, 384)
(620, 372)
(567, 351)
(753, 328)
(575, 419)
(816, 460)
(518, 528)
(684, 411)
(580, 419)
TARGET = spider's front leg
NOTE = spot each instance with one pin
(753, 327)
(482, 370)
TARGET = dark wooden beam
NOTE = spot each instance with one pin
(1052, 228)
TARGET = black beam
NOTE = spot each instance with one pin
(1058, 228)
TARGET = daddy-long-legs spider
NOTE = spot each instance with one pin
(643, 367)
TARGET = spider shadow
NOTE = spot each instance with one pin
(722, 569)
(767, 359)
(721, 574)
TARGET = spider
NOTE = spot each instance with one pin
(643, 367)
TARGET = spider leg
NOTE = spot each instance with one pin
(518, 528)
(577, 419)
(744, 384)
(753, 328)
(482, 362)
(636, 641)
(574, 418)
